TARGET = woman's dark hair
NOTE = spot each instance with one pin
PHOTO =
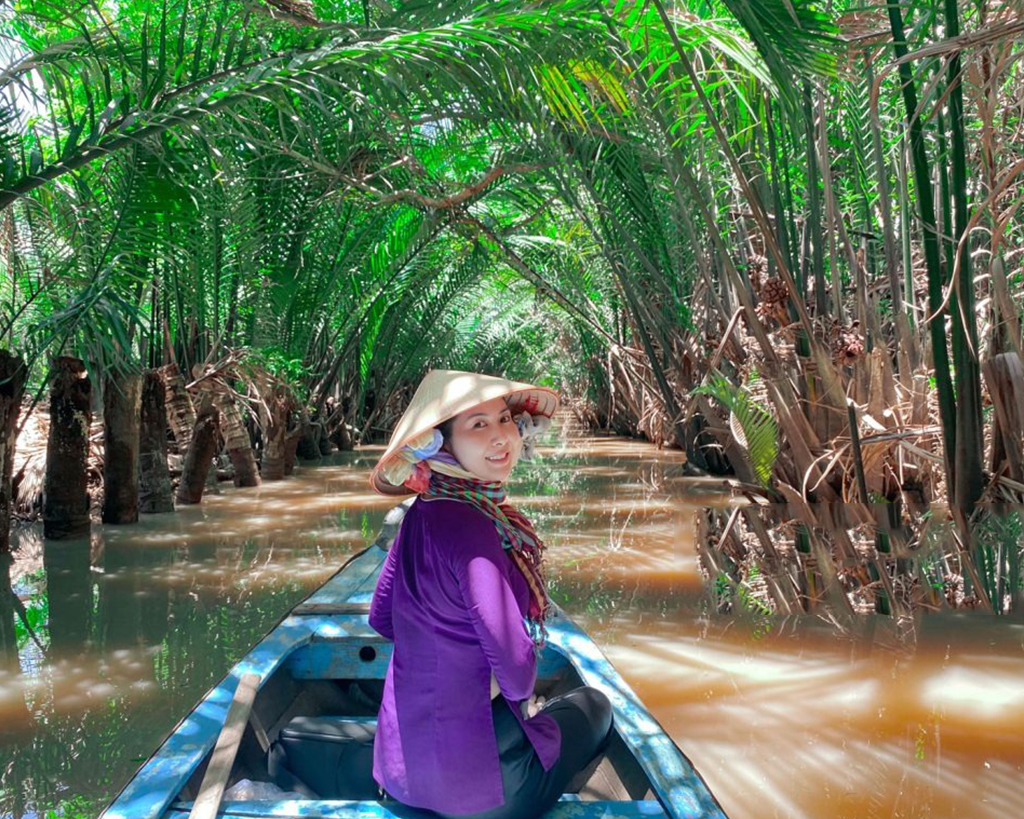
(445, 428)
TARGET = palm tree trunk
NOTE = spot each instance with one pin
(906, 350)
(291, 444)
(13, 374)
(906, 247)
(781, 223)
(237, 443)
(201, 449)
(272, 466)
(930, 240)
(155, 491)
(65, 490)
(122, 398)
(308, 446)
(322, 441)
(814, 227)
(970, 447)
(944, 207)
(181, 416)
(834, 220)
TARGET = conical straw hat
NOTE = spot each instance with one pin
(443, 394)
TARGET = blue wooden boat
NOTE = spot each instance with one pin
(316, 661)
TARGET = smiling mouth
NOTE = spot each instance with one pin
(501, 460)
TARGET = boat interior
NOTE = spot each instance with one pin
(310, 727)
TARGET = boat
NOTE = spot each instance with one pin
(320, 665)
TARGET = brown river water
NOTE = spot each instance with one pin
(784, 717)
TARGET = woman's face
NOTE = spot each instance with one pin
(485, 440)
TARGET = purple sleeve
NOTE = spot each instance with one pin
(380, 606)
(480, 566)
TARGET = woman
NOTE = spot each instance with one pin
(460, 732)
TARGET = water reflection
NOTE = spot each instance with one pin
(785, 717)
(68, 593)
(136, 623)
(802, 721)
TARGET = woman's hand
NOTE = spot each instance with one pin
(527, 707)
(531, 706)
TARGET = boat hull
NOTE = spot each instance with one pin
(327, 640)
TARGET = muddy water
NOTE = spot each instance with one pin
(784, 717)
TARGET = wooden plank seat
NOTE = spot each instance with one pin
(219, 769)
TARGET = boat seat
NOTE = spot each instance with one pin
(325, 757)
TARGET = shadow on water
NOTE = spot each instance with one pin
(784, 717)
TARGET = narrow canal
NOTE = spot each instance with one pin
(793, 718)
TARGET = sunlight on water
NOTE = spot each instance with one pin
(984, 695)
(797, 722)
(784, 717)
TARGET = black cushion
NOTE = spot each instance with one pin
(331, 756)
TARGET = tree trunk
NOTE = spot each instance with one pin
(275, 444)
(970, 446)
(65, 490)
(930, 242)
(816, 233)
(323, 442)
(155, 491)
(236, 441)
(291, 447)
(181, 416)
(202, 448)
(343, 437)
(906, 351)
(308, 446)
(122, 399)
(12, 387)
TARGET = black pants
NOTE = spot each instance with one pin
(584, 716)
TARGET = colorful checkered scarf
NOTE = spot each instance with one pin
(515, 530)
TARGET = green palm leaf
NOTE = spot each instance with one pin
(751, 424)
(791, 35)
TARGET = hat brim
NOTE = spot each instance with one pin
(385, 488)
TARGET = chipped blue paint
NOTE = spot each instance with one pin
(314, 646)
(355, 584)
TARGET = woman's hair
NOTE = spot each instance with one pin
(445, 428)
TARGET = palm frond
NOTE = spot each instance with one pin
(752, 425)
